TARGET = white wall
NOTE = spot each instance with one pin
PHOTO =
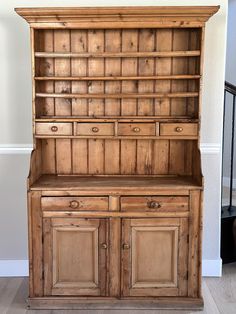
(15, 121)
(230, 76)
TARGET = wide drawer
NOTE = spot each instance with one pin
(75, 203)
(53, 128)
(179, 129)
(154, 203)
(95, 129)
(136, 129)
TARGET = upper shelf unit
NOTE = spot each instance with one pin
(117, 72)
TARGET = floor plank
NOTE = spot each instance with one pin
(219, 296)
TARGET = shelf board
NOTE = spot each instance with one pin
(119, 137)
(115, 96)
(117, 78)
(115, 118)
(114, 184)
(144, 54)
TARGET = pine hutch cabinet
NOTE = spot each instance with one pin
(115, 184)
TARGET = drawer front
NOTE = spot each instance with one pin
(80, 203)
(95, 129)
(154, 203)
(136, 129)
(179, 129)
(53, 128)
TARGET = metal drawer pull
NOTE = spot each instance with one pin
(74, 204)
(179, 129)
(136, 129)
(95, 129)
(54, 128)
(153, 204)
(126, 246)
(104, 246)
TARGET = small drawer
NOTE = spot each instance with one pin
(95, 129)
(136, 129)
(53, 128)
(154, 203)
(179, 129)
(80, 203)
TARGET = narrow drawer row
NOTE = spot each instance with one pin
(92, 129)
(125, 203)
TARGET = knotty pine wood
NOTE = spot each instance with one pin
(122, 71)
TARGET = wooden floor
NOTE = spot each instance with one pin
(219, 296)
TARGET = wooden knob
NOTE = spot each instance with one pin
(95, 129)
(104, 246)
(126, 246)
(136, 129)
(54, 128)
(154, 204)
(74, 204)
(179, 129)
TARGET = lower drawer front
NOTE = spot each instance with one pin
(75, 203)
(95, 129)
(154, 203)
(136, 129)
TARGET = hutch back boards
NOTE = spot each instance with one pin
(115, 182)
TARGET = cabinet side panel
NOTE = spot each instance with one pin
(37, 244)
(194, 248)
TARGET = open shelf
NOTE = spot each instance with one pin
(145, 54)
(114, 184)
(115, 96)
(117, 78)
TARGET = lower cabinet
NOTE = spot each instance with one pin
(153, 256)
(75, 256)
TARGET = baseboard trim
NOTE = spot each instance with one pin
(14, 268)
(212, 267)
(20, 268)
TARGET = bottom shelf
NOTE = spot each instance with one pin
(113, 184)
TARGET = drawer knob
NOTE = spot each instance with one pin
(179, 129)
(136, 129)
(74, 204)
(154, 204)
(126, 246)
(95, 129)
(104, 246)
(54, 128)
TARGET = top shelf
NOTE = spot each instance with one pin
(160, 54)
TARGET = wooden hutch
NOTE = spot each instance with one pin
(115, 183)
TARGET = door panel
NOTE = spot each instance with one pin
(75, 256)
(153, 250)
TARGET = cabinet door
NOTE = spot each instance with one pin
(75, 256)
(154, 257)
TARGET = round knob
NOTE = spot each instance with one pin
(154, 204)
(54, 128)
(74, 204)
(179, 129)
(136, 129)
(104, 246)
(126, 246)
(95, 129)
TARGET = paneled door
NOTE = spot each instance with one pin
(75, 256)
(154, 257)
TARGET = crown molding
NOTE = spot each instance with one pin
(100, 17)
